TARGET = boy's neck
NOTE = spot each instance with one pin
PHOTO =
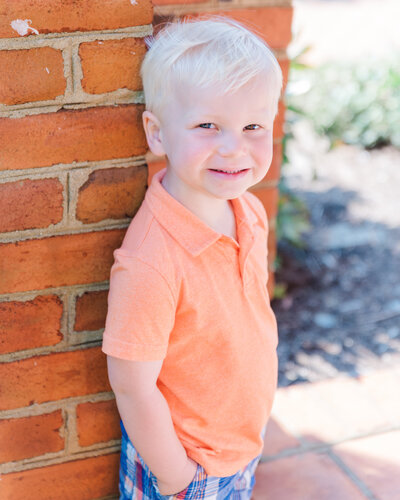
(218, 214)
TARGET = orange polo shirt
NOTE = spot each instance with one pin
(195, 298)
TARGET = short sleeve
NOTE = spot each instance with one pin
(141, 311)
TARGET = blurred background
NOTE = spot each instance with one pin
(337, 296)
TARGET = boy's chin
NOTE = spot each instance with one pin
(230, 194)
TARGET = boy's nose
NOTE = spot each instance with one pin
(231, 145)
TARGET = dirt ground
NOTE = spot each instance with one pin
(341, 313)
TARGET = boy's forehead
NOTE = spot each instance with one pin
(213, 101)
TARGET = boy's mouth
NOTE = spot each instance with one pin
(229, 173)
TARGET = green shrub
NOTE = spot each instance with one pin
(354, 103)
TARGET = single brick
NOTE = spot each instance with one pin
(109, 65)
(154, 166)
(34, 323)
(375, 460)
(58, 261)
(271, 284)
(273, 24)
(269, 198)
(31, 75)
(49, 378)
(279, 120)
(86, 479)
(42, 204)
(30, 436)
(308, 476)
(91, 311)
(111, 193)
(285, 66)
(271, 246)
(92, 134)
(381, 385)
(97, 422)
(66, 16)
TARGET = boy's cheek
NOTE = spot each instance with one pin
(193, 153)
(264, 159)
(263, 149)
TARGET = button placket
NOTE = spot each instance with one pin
(245, 253)
(230, 253)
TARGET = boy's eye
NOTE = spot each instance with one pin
(252, 126)
(207, 125)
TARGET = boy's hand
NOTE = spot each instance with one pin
(174, 487)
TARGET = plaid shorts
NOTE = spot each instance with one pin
(137, 482)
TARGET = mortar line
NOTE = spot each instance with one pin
(48, 459)
(98, 286)
(38, 41)
(39, 172)
(67, 423)
(73, 48)
(72, 430)
(29, 464)
(352, 475)
(67, 194)
(66, 56)
(52, 406)
(65, 231)
(13, 357)
(120, 97)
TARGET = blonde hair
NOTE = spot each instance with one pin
(203, 52)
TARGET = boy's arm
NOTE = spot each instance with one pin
(147, 420)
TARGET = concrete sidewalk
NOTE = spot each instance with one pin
(334, 440)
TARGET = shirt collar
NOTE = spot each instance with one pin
(184, 226)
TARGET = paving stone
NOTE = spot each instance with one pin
(304, 477)
(300, 410)
(277, 439)
(383, 388)
(330, 411)
(376, 461)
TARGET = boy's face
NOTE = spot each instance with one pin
(202, 132)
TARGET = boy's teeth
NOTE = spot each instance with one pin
(228, 172)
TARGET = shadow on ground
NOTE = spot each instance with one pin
(341, 313)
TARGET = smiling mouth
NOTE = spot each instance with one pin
(229, 171)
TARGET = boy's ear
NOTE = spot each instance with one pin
(152, 129)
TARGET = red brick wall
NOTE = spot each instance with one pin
(73, 171)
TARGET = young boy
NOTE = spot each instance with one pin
(190, 335)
